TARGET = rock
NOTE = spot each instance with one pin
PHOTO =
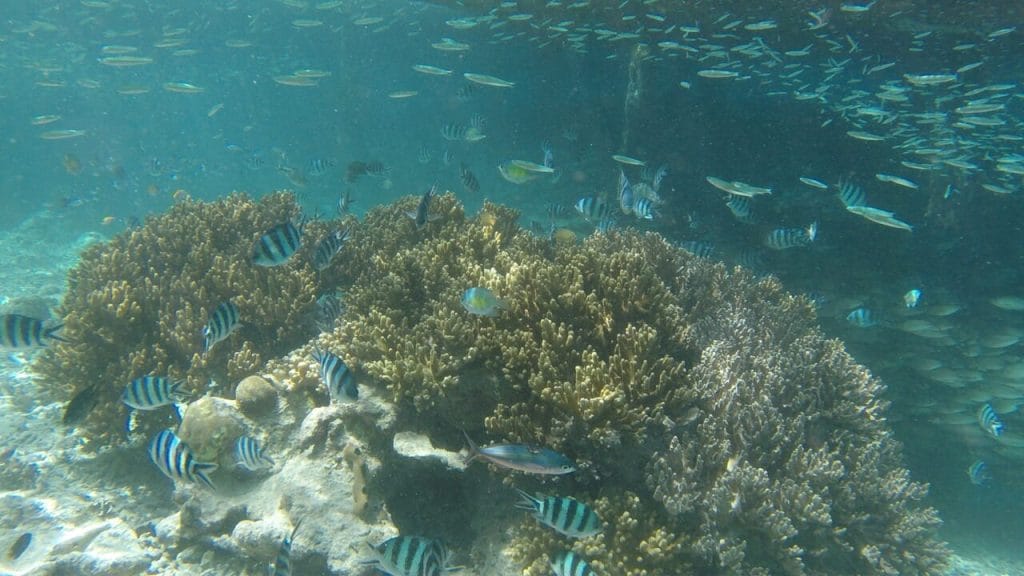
(418, 446)
(260, 538)
(167, 529)
(255, 396)
(210, 427)
(115, 551)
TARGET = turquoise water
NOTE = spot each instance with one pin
(114, 109)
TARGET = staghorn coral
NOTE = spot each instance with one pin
(714, 427)
(136, 305)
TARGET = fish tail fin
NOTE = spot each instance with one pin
(51, 333)
(527, 501)
(474, 450)
(202, 473)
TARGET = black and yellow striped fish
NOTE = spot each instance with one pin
(175, 459)
(567, 516)
(17, 331)
(277, 245)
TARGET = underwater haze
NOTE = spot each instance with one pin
(869, 155)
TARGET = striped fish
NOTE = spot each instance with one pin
(643, 209)
(152, 392)
(989, 421)
(567, 516)
(412, 556)
(328, 308)
(277, 245)
(469, 180)
(328, 248)
(592, 208)
(978, 473)
(17, 331)
(786, 238)
(223, 321)
(625, 194)
(174, 458)
(335, 374)
(570, 564)
(249, 455)
(283, 562)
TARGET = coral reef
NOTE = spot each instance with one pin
(712, 424)
(136, 305)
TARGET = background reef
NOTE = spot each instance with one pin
(715, 429)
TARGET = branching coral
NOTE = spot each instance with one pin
(723, 430)
(137, 304)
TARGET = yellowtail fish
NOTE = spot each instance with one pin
(515, 174)
(532, 166)
(401, 94)
(628, 160)
(865, 136)
(896, 180)
(738, 188)
(717, 74)
(879, 216)
(44, 119)
(929, 79)
(486, 80)
(62, 134)
(431, 70)
(814, 183)
(125, 61)
(368, 20)
(307, 23)
(521, 457)
(182, 88)
(449, 45)
(292, 80)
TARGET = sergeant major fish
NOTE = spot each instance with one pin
(176, 460)
(521, 457)
(277, 245)
(328, 248)
(336, 375)
(411, 556)
(249, 455)
(17, 331)
(421, 216)
(989, 421)
(570, 564)
(283, 563)
(786, 238)
(222, 322)
(567, 516)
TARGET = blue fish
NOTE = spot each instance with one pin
(222, 322)
(336, 375)
(521, 457)
(283, 562)
(567, 516)
(249, 455)
(570, 564)
(17, 331)
(277, 245)
(989, 421)
(328, 248)
(175, 459)
(482, 302)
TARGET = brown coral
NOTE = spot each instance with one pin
(136, 305)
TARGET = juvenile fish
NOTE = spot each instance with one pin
(175, 459)
(336, 375)
(989, 421)
(249, 455)
(567, 516)
(17, 331)
(521, 457)
(277, 245)
(222, 322)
